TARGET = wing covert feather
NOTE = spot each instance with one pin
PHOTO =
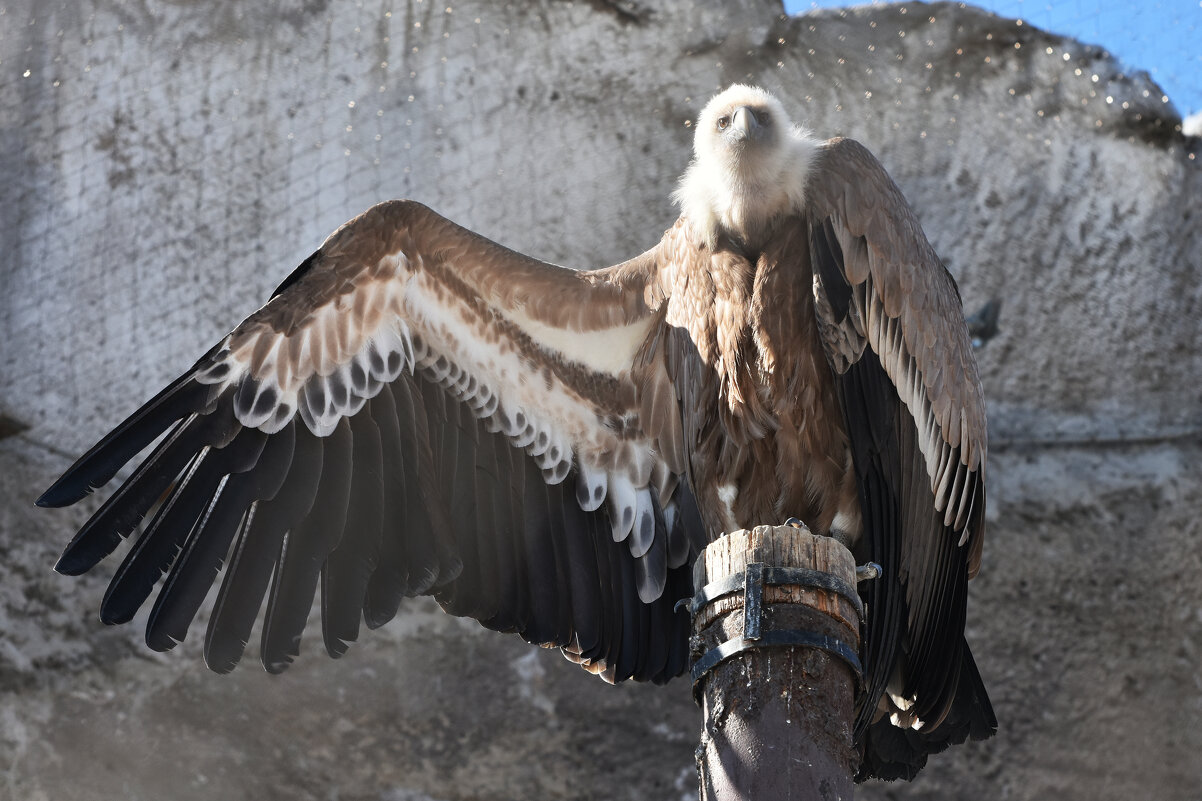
(415, 410)
(891, 292)
(892, 326)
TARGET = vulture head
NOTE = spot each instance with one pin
(749, 167)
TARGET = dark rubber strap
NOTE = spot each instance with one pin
(769, 639)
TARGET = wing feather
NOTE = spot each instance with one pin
(181, 398)
(305, 549)
(159, 544)
(386, 586)
(892, 325)
(583, 579)
(348, 568)
(511, 540)
(125, 508)
(205, 550)
(416, 410)
(496, 531)
(256, 552)
(425, 515)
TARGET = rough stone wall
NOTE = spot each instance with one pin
(165, 164)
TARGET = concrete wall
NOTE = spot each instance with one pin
(165, 164)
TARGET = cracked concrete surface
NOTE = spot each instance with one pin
(166, 164)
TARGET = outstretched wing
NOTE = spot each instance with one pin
(893, 329)
(417, 410)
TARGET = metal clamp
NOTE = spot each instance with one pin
(751, 581)
(800, 576)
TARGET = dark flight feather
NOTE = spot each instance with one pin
(304, 552)
(202, 555)
(125, 508)
(163, 537)
(347, 569)
(582, 579)
(180, 398)
(386, 586)
(423, 501)
(257, 550)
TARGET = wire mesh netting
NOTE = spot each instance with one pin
(1160, 38)
(166, 164)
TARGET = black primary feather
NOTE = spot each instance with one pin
(464, 596)
(436, 444)
(592, 641)
(422, 498)
(304, 552)
(206, 548)
(557, 545)
(659, 625)
(160, 542)
(610, 572)
(182, 397)
(680, 587)
(258, 549)
(348, 568)
(386, 587)
(126, 507)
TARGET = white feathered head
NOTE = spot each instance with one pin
(749, 166)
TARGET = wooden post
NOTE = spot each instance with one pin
(775, 666)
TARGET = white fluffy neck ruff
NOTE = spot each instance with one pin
(742, 191)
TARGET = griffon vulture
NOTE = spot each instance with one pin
(418, 410)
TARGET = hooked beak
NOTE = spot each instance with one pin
(744, 124)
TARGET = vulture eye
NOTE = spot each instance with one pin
(723, 122)
(762, 117)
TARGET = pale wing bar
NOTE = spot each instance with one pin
(352, 406)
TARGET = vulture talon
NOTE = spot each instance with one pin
(868, 571)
